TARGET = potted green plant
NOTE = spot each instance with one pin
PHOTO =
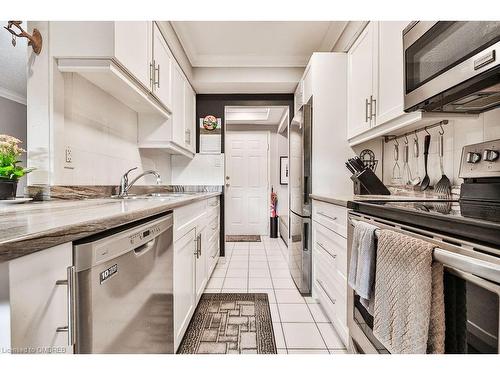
(10, 172)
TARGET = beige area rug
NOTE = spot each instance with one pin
(230, 323)
(243, 238)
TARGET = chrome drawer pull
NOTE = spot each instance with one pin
(324, 248)
(333, 300)
(327, 216)
(70, 282)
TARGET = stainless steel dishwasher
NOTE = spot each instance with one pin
(124, 289)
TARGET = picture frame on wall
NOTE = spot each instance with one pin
(283, 170)
(210, 135)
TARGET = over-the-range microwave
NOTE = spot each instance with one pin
(452, 66)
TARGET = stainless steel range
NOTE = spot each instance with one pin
(466, 233)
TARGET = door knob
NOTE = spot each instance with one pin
(227, 185)
(227, 177)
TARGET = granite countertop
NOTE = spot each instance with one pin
(31, 227)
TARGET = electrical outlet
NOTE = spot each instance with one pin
(69, 155)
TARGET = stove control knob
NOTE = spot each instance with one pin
(490, 155)
(473, 157)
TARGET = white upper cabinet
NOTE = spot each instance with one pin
(178, 106)
(127, 43)
(161, 69)
(360, 79)
(390, 77)
(297, 98)
(190, 120)
(375, 77)
(131, 61)
(133, 48)
(307, 85)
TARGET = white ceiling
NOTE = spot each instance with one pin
(255, 43)
(13, 65)
(270, 116)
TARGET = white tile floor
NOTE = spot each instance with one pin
(300, 325)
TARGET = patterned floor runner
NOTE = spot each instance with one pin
(230, 323)
(243, 238)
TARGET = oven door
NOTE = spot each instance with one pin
(452, 66)
(472, 308)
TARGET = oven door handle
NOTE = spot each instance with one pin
(477, 267)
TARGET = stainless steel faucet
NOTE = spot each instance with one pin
(125, 185)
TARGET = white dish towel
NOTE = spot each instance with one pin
(363, 259)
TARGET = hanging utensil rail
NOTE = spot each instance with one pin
(389, 138)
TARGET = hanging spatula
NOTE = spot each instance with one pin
(426, 180)
(443, 187)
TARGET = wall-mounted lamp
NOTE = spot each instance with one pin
(35, 40)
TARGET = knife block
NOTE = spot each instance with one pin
(367, 183)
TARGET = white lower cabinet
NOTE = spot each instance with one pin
(194, 258)
(38, 306)
(184, 283)
(330, 264)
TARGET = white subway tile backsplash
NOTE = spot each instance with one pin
(102, 134)
(458, 133)
(201, 170)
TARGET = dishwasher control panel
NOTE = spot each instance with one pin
(144, 235)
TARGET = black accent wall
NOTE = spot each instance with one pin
(213, 104)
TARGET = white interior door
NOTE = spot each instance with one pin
(247, 183)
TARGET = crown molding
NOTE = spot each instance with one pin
(12, 95)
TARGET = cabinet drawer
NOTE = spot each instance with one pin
(331, 216)
(186, 217)
(330, 288)
(335, 245)
(213, 252)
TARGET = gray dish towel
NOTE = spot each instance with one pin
(409, 300)
(363, 259)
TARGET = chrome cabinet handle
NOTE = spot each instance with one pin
(324, 290)
(152, 74)
(70, 282)
(196, 250)
(158, 81)
(324, 248)
(327, 216)
(187, 136)
(373, 107)
(366, 110)
(198, 246)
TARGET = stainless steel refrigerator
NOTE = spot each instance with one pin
(300, 143)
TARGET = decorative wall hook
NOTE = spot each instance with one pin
(35, 40)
